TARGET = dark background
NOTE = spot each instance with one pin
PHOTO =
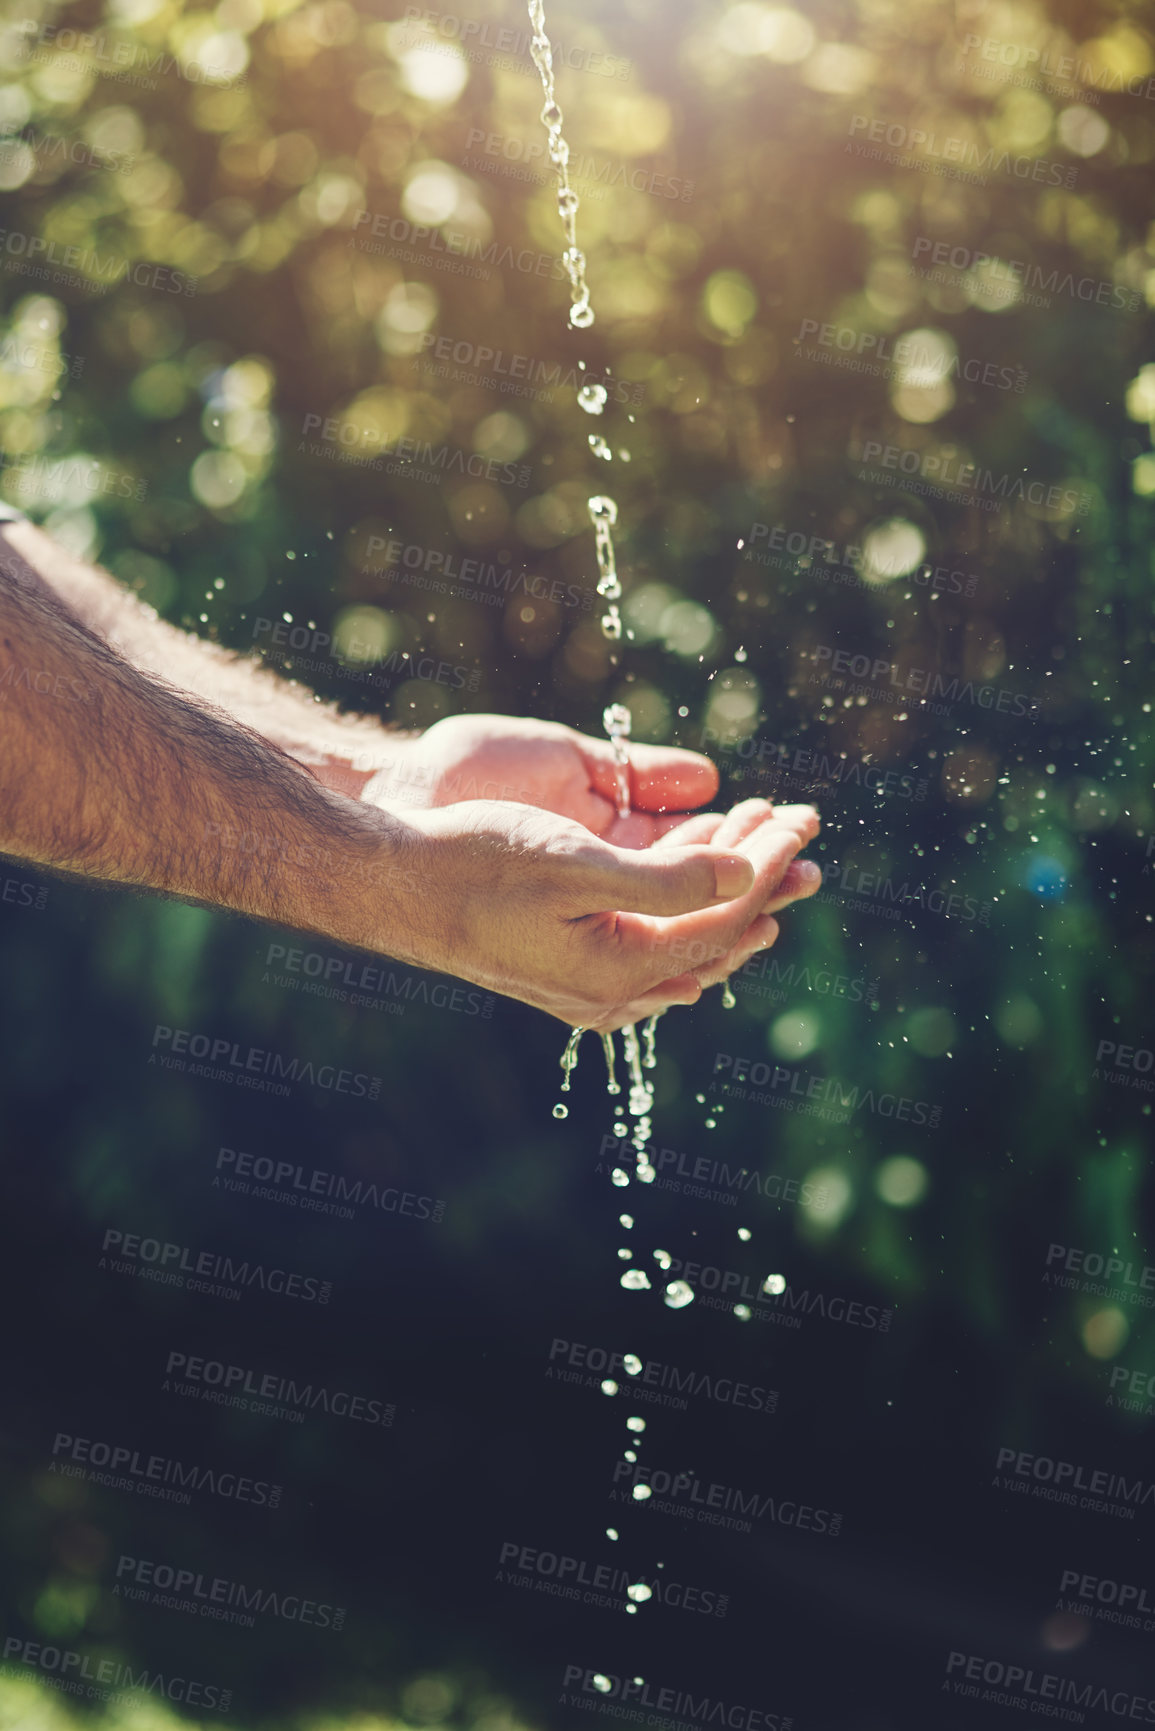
(212, 506)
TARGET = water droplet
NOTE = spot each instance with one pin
(639, 1592)
(636, 1280)
(728, 998)
(632, 1363)
(602, 1684)
(744, 1234)
(603, 510)
(621, 1129)
(739, 654)
(636, 1424)
(774, 1284)
(593, 398)
(663, 1259)
(642, 1493)
(627, 1220)
(618, 1177)
(624, 1255)
(711, 1123)
(630, 1456)
(609, 1386)
(611, 1533)
(646, 1173)
(600, 449)
(742, 1312)
(678, 1295)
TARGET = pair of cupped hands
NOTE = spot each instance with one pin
(523, 879)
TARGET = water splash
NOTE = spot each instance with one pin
(649, 1035)
(617, 721)
(581, 313)
(728, 998)
(604, 515)
(613, 1086)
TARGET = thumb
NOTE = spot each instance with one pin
(665, 881)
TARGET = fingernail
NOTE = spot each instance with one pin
(809, 872)
(733, 876)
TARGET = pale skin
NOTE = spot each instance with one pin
(138, 754)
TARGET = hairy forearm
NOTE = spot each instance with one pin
(108, 772)
(314, 734)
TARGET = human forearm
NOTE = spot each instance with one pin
(315, 735)
(107, 772)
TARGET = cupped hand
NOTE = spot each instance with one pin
(543, 764)
(534, 906)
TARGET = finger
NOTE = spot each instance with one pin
(662, 881)
(758, 936)
(677, 831)
(742, 820)
(769, 850)
(803, 878)
(662, 777)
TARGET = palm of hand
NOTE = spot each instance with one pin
(537, 763)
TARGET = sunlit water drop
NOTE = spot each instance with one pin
(774, 1284)
(636, 1280)
(639, 1592)
(678, 1294)
(642, 1493)
(636, 1424)
(632, 1363)
(593, 398)
(609, 1386)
